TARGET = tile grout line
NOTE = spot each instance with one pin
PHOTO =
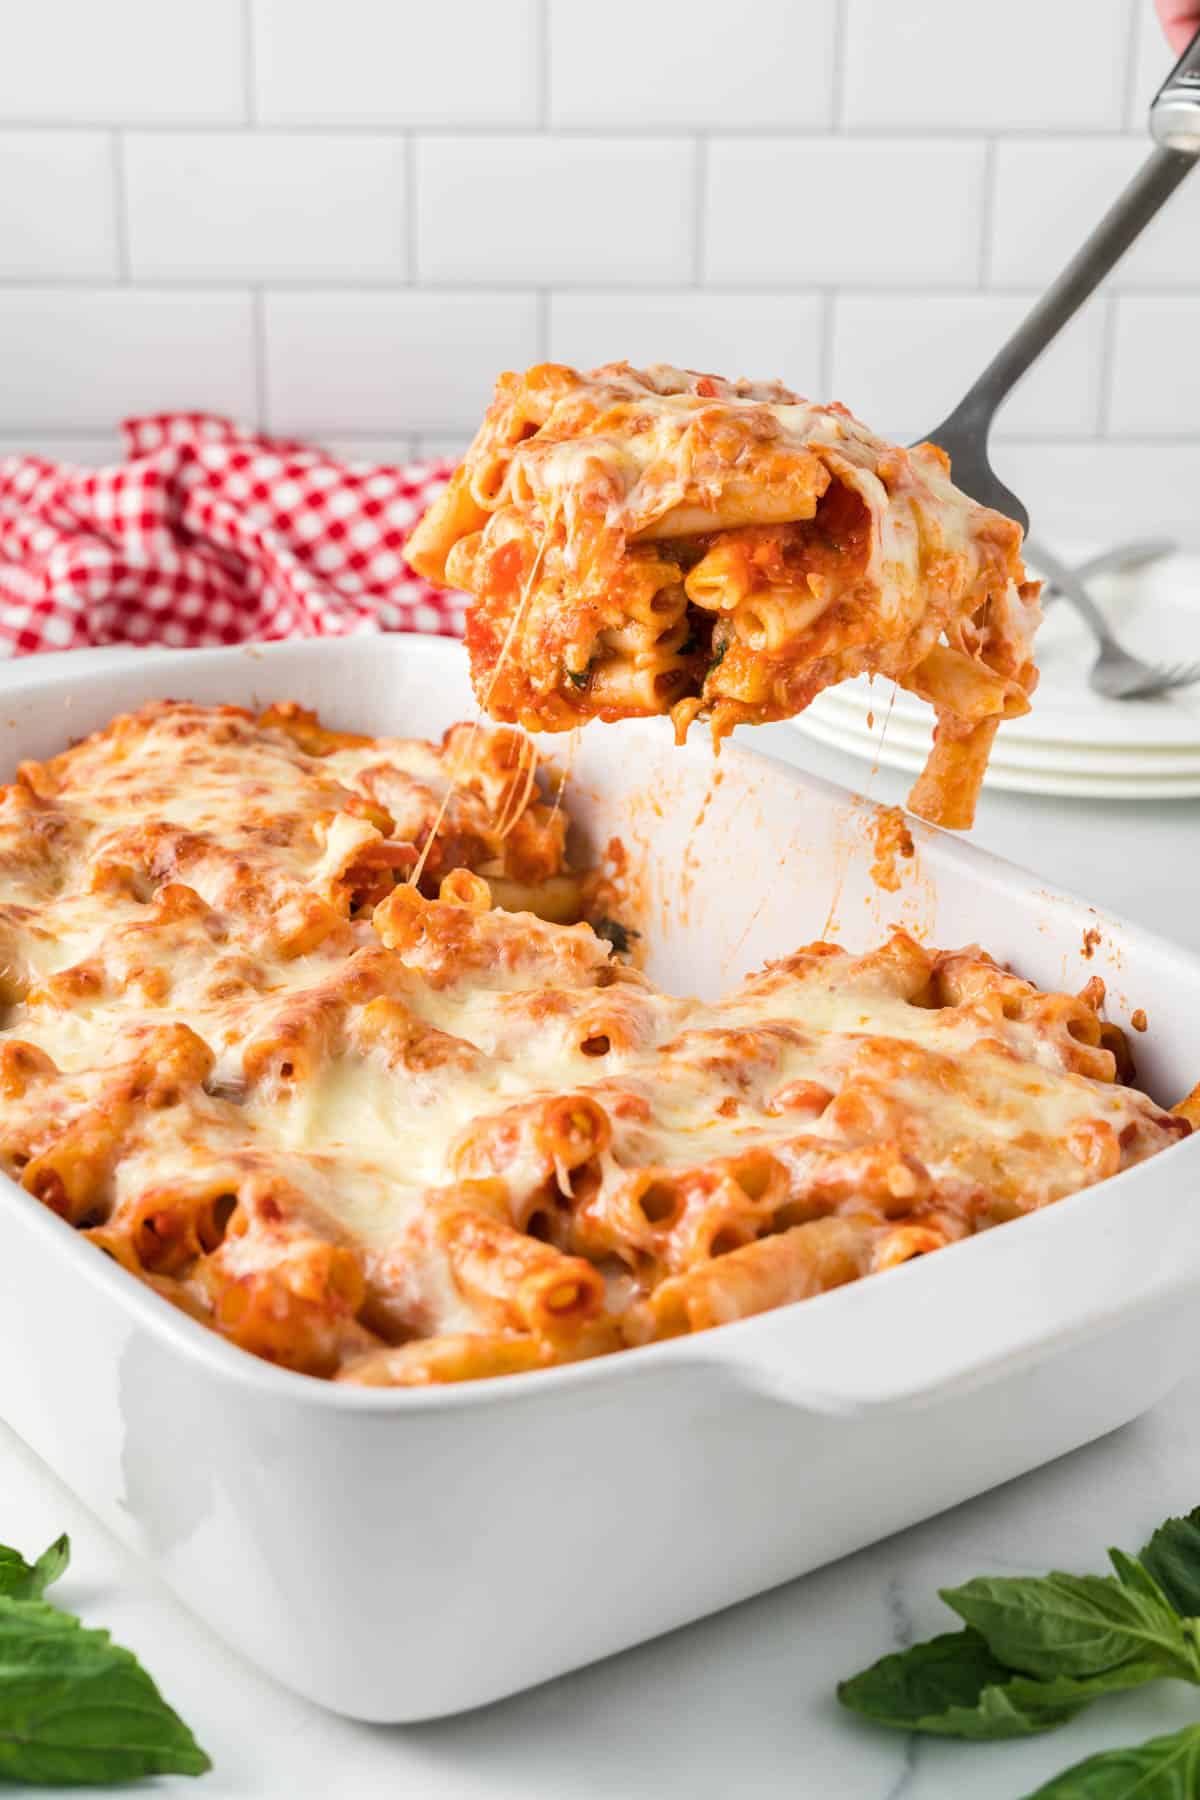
(828, 321)
(541, 72)
(1131, 69)
(249, 64)
(382, 126)
(411, 243)
(1108, 366)
(699, 211)
(120, 210)
(258, 328)
(987, 211)
(838, 60)
(485, 287)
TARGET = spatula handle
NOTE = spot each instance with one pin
(1125, 220)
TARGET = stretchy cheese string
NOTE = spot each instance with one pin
(519, 797)
(419, 867)
(887, 719)
(565, 775)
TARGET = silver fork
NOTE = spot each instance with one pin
(1116, 673)
(1122, 559)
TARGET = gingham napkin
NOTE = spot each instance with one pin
(211, 534)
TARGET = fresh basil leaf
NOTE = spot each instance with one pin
(947, 1673)
(1167, 1768)
(1076, 1625)
(1173, 1558)
(953, 1686)
(21, 1581)
(14, 1570)
(1132, 1575)
(76, 1708)
(50, 1565)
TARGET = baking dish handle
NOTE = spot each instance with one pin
(857, 1388)
(855, 1391)
(951, 1322)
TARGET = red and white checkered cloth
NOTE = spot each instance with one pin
(211, 534)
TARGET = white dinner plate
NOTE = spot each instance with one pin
(878, 728)
(1133, 786)
(1073, 741)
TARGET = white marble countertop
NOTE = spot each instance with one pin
(741, 1704)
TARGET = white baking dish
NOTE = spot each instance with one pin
(397, 1556)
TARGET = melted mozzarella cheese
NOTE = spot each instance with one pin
(651, 459)
(358, 1075)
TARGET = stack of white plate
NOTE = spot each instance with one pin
(1073, 741)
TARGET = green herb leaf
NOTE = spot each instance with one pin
(1076, 1625)
(76, 1708)
(717, 658)
(578, 677)
(953, 1686)
(1167, 1768)
(926, 1682)
(1173, 1558)
(1137, 1579)
(1036, 1651)
(21, 1581)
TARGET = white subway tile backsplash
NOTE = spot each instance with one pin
(538, 209)
(265, 206)
(81, 360)
(902, 362)
(1049, 194)
(92, 452)
(1103, 493)
(121, 61)
(370, 450)
(931, 64)
(724, 334)
(361, 212)
(396, 62)
(764, 63)
(433, 444)
(57, 204)
(830, 210)
(1156, 368)
(390, 364)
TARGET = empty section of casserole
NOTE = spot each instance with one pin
(398, 1136)
(658, 541)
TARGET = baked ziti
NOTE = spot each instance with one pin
(273, 1042)
(658, 541)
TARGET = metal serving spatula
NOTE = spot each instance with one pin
(1175, 126)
